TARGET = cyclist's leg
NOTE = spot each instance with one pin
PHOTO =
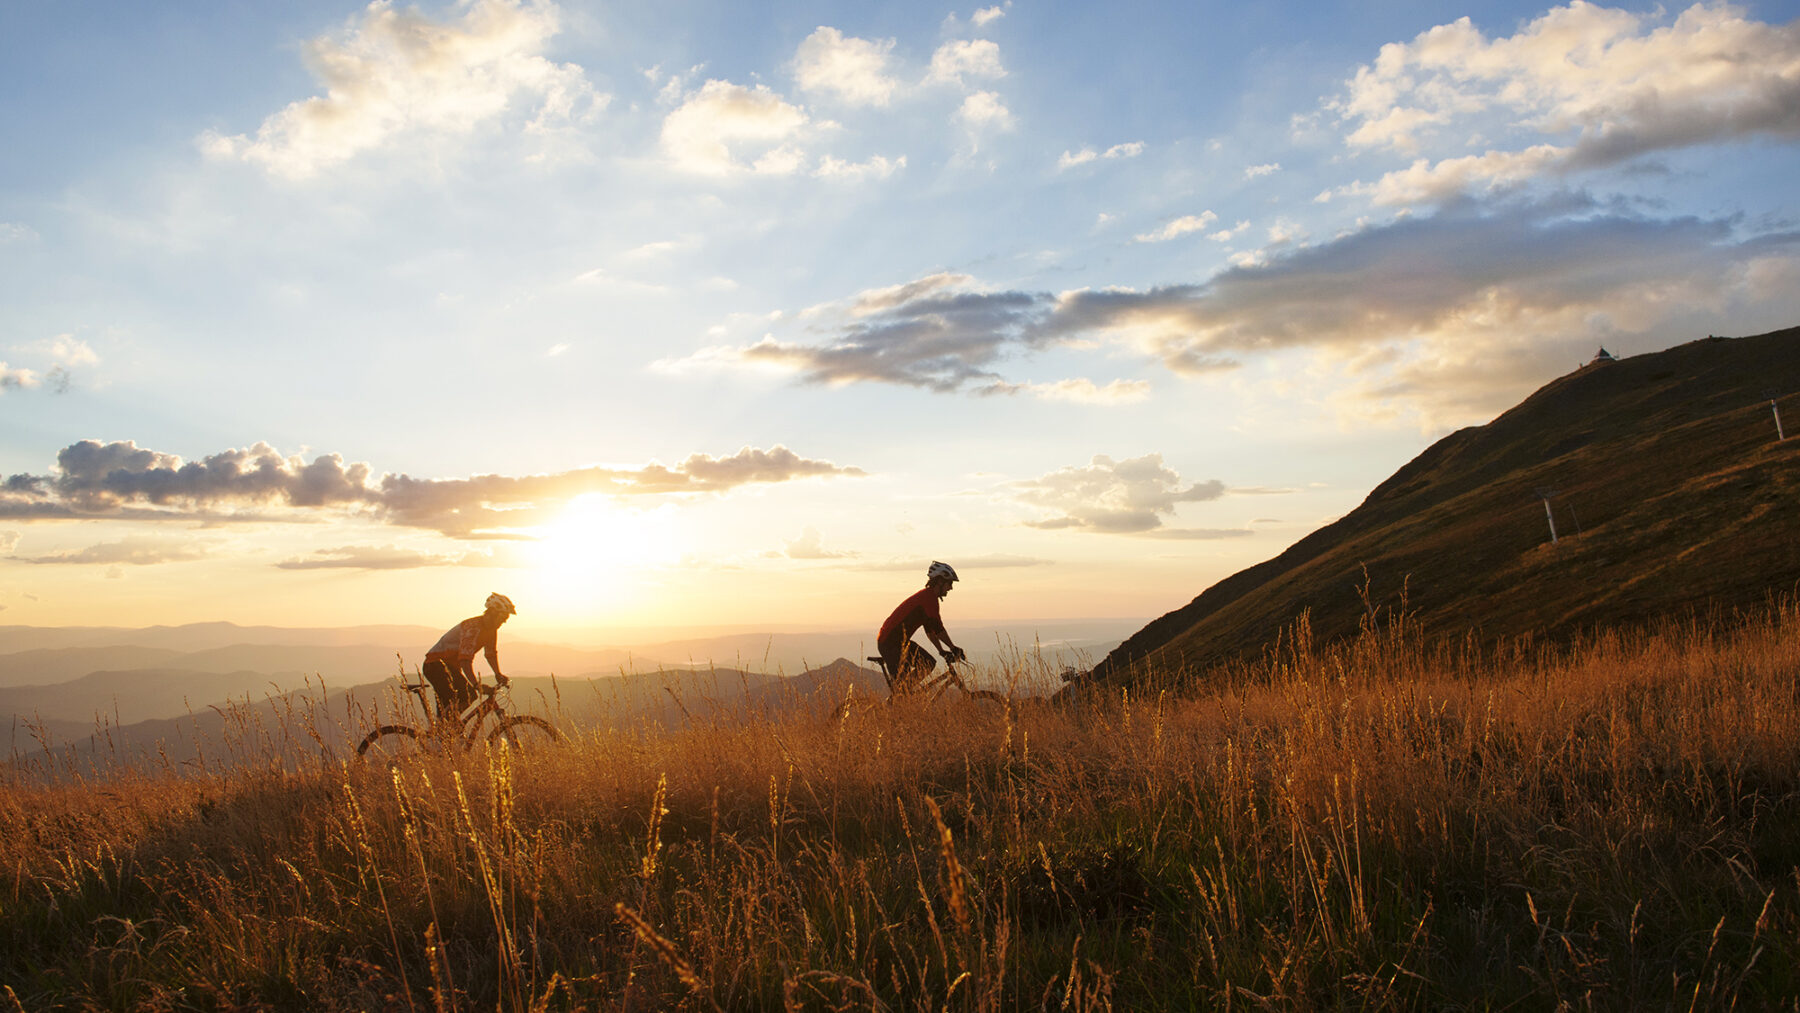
(444, 687)
(464, 688)
(889, 650)
(915, 666)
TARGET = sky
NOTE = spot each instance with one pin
(712, 315)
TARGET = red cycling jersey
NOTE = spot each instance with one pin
(921, 609)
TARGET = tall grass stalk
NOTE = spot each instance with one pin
(1387, 823)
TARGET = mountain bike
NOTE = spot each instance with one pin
(518, 732)
(929, 691)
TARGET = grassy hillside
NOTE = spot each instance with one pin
(296, 726)
(1672, 493)
(1613, 824)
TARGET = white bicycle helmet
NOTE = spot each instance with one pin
(941, 571)
(498, 602)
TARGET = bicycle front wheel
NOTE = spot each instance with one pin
(391, 744)
(523, 733)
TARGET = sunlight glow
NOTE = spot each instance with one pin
(581, 556)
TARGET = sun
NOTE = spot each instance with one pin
(595, 539)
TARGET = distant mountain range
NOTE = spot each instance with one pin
(176, 684)
(1663, 476)
(316, 724)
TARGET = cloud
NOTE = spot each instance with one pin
(934, 333)
(13, 232)
(1227, 235)
(1114, 497)
(984, 110)
(134, 551)
(15, 377)
(383, 557)
(1080, 390)
(123, 480)
(852, 70)
(1262, 170)
(9, 540)
(1606, 85)
(1453, 314)
(1179, 227)
(1069, 160)
(987, 15)
(878, 167)
(65, 350)
(727, 128)
(810, 545)
(396, 73)
(964, 58)
(1475, 303)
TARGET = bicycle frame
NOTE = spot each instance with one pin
(934, 686)
(469, 721)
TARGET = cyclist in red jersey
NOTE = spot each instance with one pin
(450, 664)
(906, 664)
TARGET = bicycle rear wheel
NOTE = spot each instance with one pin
(391, 744)
(523, 733)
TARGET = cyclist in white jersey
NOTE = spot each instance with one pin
(450, 664)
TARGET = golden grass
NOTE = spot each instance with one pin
(1612, 824)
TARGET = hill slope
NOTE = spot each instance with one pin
(1672, 491)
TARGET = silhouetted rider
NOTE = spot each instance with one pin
(905, 663)
(450, 664)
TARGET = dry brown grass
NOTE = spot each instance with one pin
(1613, 824)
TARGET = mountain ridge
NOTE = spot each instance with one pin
(1668, 484)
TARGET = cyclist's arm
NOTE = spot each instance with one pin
(493, 660)
(940, 639)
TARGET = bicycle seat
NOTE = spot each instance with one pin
(876, 658)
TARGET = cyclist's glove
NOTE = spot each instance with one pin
(955, 654)
(501, 680)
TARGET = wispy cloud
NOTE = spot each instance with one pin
(397, 73)
(1117, 497)
(1227, 235)
(15, 377)
(134, 551)
(1070, 159)
(878, 167)
(1179, 227)
(1268, 169)
(988, 15)
(810, 545)
(384, 557)
(64, 353)
(1474, 303)
(123, 480)
(1080, 390)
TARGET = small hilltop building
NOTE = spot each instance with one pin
(1602, 356)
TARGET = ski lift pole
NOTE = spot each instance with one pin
(1545, 495)
(1776, 408)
